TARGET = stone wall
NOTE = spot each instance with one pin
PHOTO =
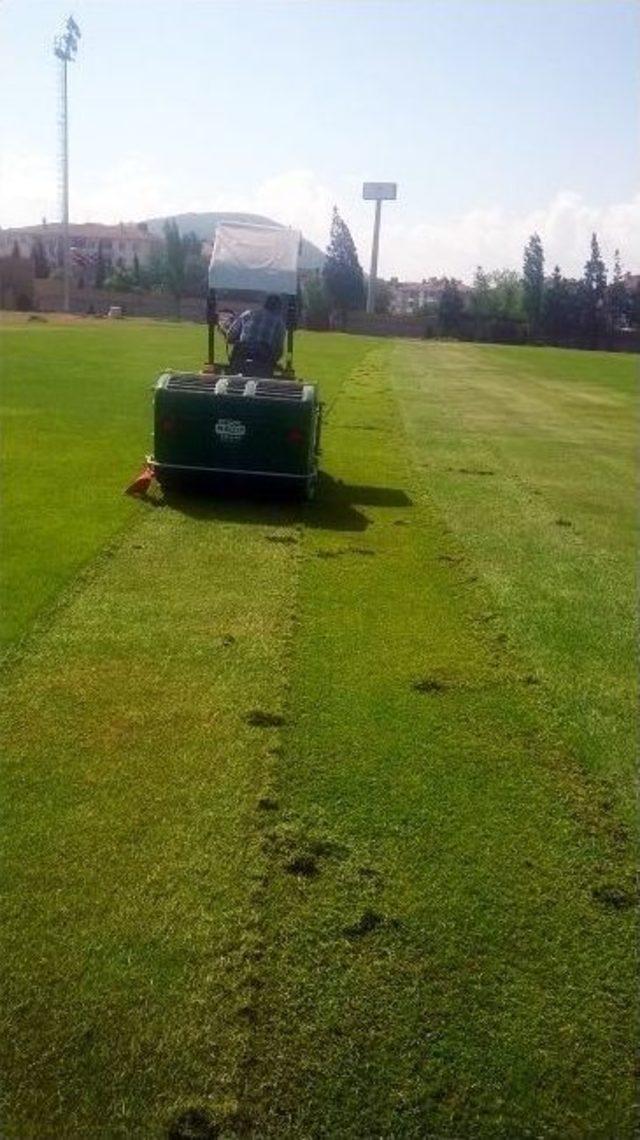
(48, 296)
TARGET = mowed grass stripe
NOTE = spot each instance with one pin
(131, 857)
(531, 455)
(131, 780)
(76, 414)
(450, 948)
(76, 406)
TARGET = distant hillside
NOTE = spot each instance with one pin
(203, 225)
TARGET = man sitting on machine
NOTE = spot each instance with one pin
(257, 336)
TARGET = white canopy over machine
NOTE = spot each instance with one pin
(255, 258)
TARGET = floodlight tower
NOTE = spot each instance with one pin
(377, 192)
(65, 48)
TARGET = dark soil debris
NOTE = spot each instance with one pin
(266, 803)
(563, 522)
(327, 849)
(261, 719)
(429, 685)
(475, 471)
(369, 873)
(614, 897)
(305, 865)
(194, 1124)
(369, 921)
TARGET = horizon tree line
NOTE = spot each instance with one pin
(501, 304)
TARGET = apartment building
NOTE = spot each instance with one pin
(407, 297)
(119, 244)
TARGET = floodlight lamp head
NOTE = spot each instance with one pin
(73, 28)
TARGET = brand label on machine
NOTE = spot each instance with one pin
(230, 429)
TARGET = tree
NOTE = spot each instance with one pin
(15, 252)
(595, 273)
(120, 280)
(481, 295)
(136, 269)
(195, 267)
(342, 272)
(594, 284)
(382, 302)
(101, 268)
(315, 303)
(40, 263)
(506, 302)
(618, 296)
(634, 306)
(450, 307)
(175, 251)
(553, 305)
(563, 309)
(533, 282)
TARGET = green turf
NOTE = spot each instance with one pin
(76, 411)
(459, 961)
(403, 912)
(530, 454)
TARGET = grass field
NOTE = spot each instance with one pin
(319, 820)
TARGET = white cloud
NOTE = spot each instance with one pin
(28, 188)
(299, 199)
(494, 237)
(127, 191)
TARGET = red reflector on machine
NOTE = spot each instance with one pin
(167, 424)
(295, 435)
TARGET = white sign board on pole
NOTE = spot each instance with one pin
(379, 191)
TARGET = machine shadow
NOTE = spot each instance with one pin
(335, 507)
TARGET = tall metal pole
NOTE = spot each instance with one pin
(373, 272)
(65, 187)
(65, 48)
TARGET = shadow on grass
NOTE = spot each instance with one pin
(335, 506)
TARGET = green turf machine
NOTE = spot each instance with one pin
(250, 422)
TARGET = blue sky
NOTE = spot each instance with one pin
(494, 117)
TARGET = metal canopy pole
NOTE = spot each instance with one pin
(212, 320)
(291, 323)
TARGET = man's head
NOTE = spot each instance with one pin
(273, 303)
